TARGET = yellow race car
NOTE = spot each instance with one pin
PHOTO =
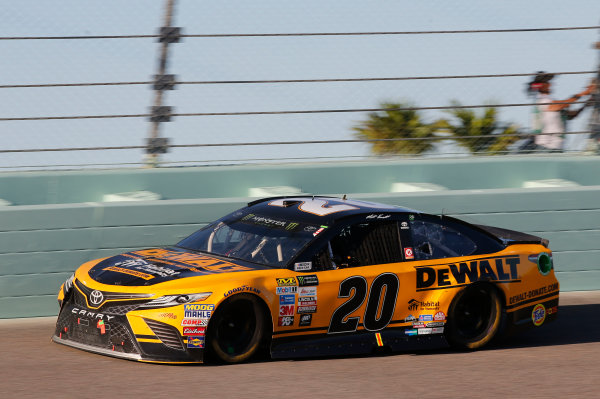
(311, 276)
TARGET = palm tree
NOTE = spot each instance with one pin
(481, 134)
(398, 121)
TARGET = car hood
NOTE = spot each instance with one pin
(156, 265)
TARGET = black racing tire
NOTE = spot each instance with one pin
(474, 317)
(236, 329)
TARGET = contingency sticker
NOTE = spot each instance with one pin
(302, 266)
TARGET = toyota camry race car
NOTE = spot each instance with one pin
(311, 276)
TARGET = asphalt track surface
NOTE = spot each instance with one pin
(558, 360)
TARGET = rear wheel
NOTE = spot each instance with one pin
(236, 329)
(474, 317)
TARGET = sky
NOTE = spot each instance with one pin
(200, 59)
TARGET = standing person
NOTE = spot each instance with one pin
(550, 115)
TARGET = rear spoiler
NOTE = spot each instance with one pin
(509, 237)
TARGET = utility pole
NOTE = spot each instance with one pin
(157, 145)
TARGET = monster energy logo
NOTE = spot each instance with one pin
(291, 226)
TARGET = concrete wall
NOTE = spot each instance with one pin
(56, 221)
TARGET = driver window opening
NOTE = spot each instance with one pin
(361, 244)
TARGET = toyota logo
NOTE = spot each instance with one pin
(96, 297)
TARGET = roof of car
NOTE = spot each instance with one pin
(320, 209)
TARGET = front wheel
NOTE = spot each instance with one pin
(474, 317)
(236, 330)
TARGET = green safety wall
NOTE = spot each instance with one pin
(56, 221)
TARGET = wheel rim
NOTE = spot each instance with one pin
(235, 330)
(474, 313)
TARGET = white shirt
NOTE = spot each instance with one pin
(551, 123)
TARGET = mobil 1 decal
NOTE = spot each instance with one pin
(355, 289)
(502, 269)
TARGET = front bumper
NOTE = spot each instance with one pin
(111, 334)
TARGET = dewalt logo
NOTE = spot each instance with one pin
(455, 275)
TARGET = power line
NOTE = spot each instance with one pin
(20, 86)
(316, 111)
(426, 32)
(229, 35)
(270, 81)
(265, 143)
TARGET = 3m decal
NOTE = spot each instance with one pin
(308, 280)
(286, 310)
(286, 282)
(538, 315)
(135, 273)
(286, 321)
(378, 312)
(498, 269)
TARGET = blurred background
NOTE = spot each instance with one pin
(81, 83)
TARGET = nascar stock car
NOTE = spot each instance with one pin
(311, 276)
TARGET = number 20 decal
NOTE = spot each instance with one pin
(371, 322)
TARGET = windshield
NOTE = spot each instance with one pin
(253, 238)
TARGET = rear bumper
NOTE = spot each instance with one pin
(533, 314)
